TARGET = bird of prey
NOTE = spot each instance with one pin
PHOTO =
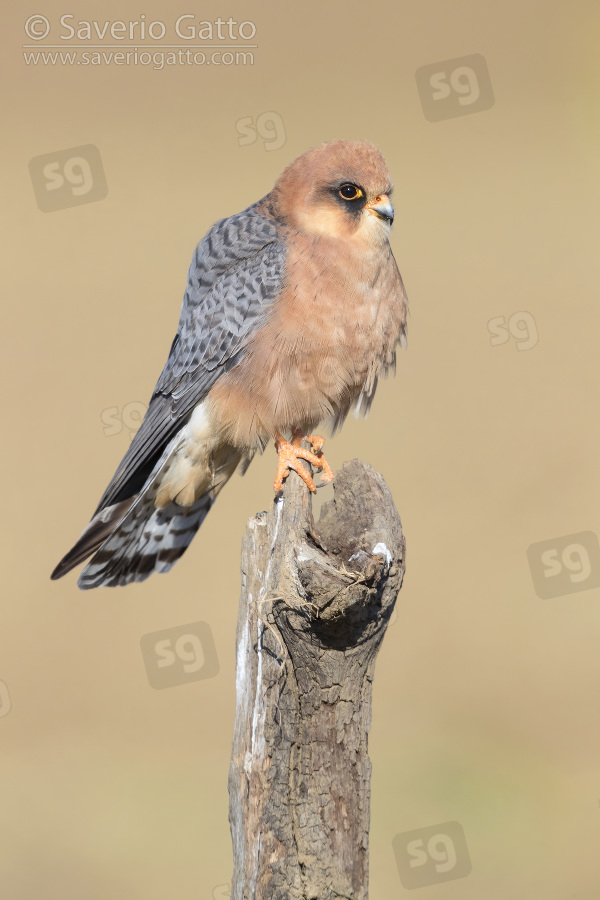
(293, 309)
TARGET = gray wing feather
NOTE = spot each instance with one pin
(234, 277)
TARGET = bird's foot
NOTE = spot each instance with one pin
(290, 455)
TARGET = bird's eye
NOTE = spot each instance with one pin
(350, 192)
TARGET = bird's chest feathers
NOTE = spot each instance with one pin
(324, 342)
(336, 303)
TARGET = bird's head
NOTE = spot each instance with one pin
(340, 189)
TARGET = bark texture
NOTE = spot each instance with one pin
(314, 606)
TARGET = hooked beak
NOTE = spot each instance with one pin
(382, 208)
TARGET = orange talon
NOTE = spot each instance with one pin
(290, 455)
(316, 442)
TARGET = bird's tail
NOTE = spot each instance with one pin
(132, 539)
(146, 540)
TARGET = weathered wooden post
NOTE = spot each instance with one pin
(314, 606)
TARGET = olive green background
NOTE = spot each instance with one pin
(486, 706)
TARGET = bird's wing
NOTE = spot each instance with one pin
(234, 277)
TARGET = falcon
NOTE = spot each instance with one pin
(293, 310)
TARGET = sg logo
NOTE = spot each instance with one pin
(130, 416)
(431, 855)
(5, 701)
(68, 178)
(179, 655)
(521, 326)
(269, 126)
(565, 565)
(455, 87)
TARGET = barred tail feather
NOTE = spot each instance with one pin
(151, 539)
(143, 534)
(99, 529)
(146, 540)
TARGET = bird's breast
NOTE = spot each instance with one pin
(332, 329)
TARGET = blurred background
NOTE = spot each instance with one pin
(486, 697)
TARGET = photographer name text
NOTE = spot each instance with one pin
(186, 27)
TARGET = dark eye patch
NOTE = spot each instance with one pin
(349, 195)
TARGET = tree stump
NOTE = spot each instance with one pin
(314, 606)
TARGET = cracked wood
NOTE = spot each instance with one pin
(314, 606)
